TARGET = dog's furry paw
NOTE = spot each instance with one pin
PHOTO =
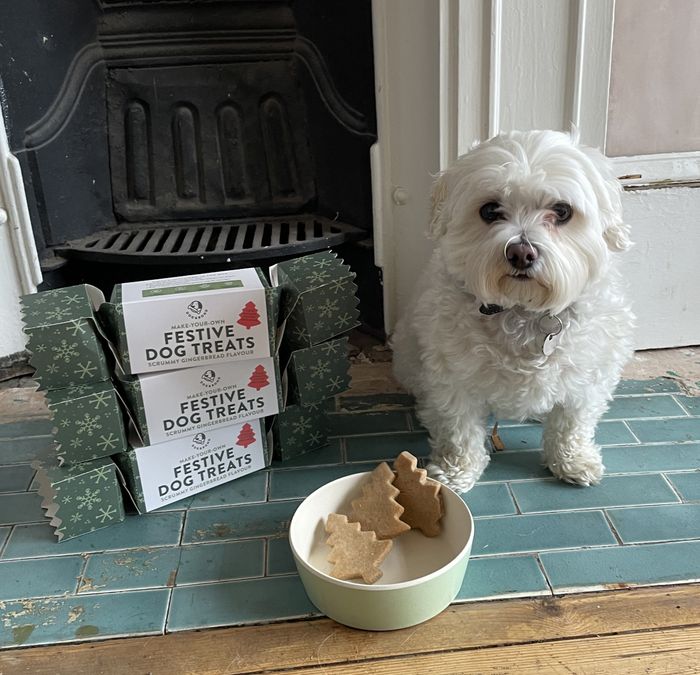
(585, 467)
(459, 476)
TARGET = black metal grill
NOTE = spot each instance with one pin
(211, 242)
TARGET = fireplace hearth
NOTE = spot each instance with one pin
(170, 136)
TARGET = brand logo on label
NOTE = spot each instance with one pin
(196, 310)
(200, 441)
(209, 379)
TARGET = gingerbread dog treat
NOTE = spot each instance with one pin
(354, 553)
(419, 495)
(377, 509)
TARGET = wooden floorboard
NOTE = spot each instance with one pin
(648, 622)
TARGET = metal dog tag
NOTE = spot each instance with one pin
(550, 343)
(551, 340)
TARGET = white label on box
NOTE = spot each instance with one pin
(183, 467)
(181, 402)
(193, 320)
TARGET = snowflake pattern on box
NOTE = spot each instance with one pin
(88, 422)
(319, 298)
(299, 429)
(81, 498)
(63, 337)
(319, 372)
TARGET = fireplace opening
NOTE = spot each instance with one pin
(168, 137)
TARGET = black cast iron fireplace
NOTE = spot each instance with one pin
(169, 136)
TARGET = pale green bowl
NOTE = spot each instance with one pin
(421, 575)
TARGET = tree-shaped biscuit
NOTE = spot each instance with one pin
(419, 495)
(377, 509)
(354, 553)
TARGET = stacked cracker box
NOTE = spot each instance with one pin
(77, 480)
(319, 306)
(199, 374)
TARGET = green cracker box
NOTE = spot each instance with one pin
(64, 337)
(319, 299)
(196, 320)
(81, 498)
(182, 402)
(157, 475)
(319, 372)
(88, 422)
(298, 430)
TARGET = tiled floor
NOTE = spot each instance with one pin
(222, 557)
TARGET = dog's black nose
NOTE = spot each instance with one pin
(521, 255)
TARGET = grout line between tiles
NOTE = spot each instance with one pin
(673, 488)
(4, 544)
(683, 408)
(81, 575)
(266, 557)
(612, 527)
(518, 510)
(544, 573)
(636, 438)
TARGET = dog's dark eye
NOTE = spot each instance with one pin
(563, 212)
(491, 212)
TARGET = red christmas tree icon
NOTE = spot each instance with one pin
(246, 437)
(249, 315)
(258, 378)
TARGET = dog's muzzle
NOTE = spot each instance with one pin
(521, 255)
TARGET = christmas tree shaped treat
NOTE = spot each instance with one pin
(419, 495)
(258, 378)
(377, 509)
(249, 315)
(246, 437)
(355, 554)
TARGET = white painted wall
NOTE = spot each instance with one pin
(19, 265)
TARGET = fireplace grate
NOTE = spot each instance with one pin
(211, 242)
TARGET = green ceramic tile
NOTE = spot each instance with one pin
(86, 617)
(386, 447)
(368, 423)
(39, 577)
(489, 500)
(643, 406)
(279, 557)
(238, 602)
(522, 437)
(657, 523)
(154, 529)
(130, 570)
(299, 483)
(653, 431)
(416, 424)
(645, 458)
(626, 565)
(687, 484)
(16, 478)
(555, 495)
(518, 534)
(18, 450)
(237, 522)
(660, 385)
(221, 562)
(244, 490)
(514, 466)
(613, 433)
(25, 428)
(4, 533)
(690, 403)
(371, 401)
(329, 454)
(508, 576)
(20, 507)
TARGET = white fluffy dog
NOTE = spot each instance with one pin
(521, 310)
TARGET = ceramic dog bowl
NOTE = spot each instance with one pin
(421, 575)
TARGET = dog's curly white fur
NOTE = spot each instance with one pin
(529, 222)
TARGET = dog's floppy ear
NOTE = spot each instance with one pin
(438, 195)
(616, 236)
